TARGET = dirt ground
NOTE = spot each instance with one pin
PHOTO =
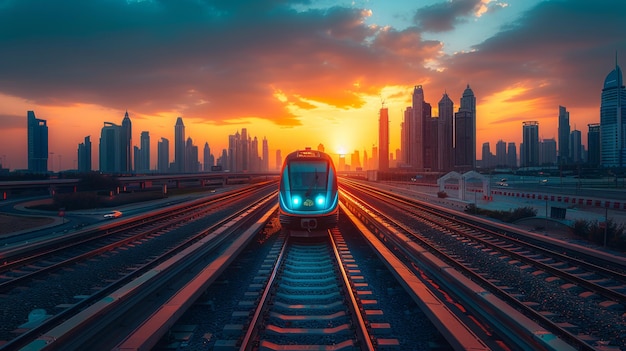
(10, 224)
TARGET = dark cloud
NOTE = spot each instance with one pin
(215, 59)
(443, 16)
(560, 50)
(221, 60)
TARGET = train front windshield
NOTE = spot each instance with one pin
(308, 176)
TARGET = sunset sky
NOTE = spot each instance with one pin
(299, 72)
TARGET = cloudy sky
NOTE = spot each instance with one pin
(298, 72)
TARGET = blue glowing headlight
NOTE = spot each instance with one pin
(296, 201)
(320, 200)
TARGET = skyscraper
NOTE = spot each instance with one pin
(179, 146)
(593, 144)
(142, 157)
(383, 139)
(163, 155)
(415, 155)
(547, 152)
(266, 156)
(501, 153)
(126, 160)
(191, 157)
(576, 147)
(564, 131)
(446, 134)
(465, 132)
(612, 113)
(511, 155)
(84, 155)
(110, 148)
(529, 155)
(37, 144)
(208, 159)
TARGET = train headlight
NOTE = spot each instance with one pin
(296, 201)
(320, 200)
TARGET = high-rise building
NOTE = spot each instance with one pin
(446, 134)
(593, 144)
(501, 153)
(208, 159)
(142, 154)
(179, 146)
(488, 159)
(547, 152)
(405, 128)
(37, 144)
(126, 160)
(529, 153)
(244, 150)
(564, 131)
(266, 156)
(576, 147)
(511, 155)
(383, 139)
(415, 137)
(110, 148)
(255, 160)
(84, 155)
(612, 114)
(191, 157)
(465, 132)
(163, 155)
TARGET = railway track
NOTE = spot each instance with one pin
(66, 280)
(309, 302)
(575, 299)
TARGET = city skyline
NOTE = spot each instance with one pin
(299, 74)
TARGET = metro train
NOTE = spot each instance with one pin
(308, 198)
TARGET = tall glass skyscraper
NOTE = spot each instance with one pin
(179, 146)
(529, 153)
(37, 144)
(564, 134)
(612, 113)
(465, 132)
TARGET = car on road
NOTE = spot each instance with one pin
(112, 215)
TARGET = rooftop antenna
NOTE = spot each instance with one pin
(382, 101)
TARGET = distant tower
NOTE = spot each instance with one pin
(564, 131)
(179, 146)
(266, 156)
(530, 145)
(143, 163)
(501, 154)
(383, 139)
(446, 134)
(320, 147)
(593, 144)
(163, 155)
(244, 150)
(511, 155)
(207, 157)
(84, 155)
(576, 147)
(465, 132)
(416, 130)
(110, 148)
(126, 142)
(191, 157)
(612, 114)
(37, 144)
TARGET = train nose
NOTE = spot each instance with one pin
(308, 223)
